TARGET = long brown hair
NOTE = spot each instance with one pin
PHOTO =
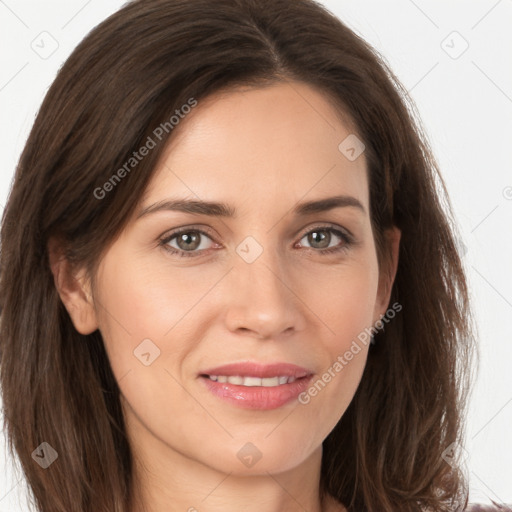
(125, 79)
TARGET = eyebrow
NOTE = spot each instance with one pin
(216, 209)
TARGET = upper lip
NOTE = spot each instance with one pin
(254, 369)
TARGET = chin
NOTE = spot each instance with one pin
(255, 455)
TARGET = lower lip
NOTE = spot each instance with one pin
(257, 397)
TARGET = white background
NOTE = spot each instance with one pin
(465, 100)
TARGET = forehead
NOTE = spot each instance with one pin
(277, 143)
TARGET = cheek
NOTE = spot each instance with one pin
(148, 316)
(344, 300)
(345, 303)
(131, 321)
(138, 306)
(140, 301)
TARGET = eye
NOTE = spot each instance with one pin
(188, 242)
(321, 237)
(191, 242)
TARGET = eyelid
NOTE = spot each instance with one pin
(185, 229)
(327, 225)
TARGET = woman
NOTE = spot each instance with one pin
(181, 341)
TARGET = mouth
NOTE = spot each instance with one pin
(257, 386)
(239, 380)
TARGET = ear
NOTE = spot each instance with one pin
(388, 271)
(73, 288)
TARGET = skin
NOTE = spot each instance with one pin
(261, 151)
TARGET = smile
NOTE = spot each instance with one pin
(268, 382)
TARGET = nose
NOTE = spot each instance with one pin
(263, 300)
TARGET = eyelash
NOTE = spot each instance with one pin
(347, 239)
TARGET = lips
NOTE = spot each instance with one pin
(256, 386)
(258, 370)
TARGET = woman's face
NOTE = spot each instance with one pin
(274, 283)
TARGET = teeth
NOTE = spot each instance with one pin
(267, 382)
(249, 381)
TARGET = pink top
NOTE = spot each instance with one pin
(477, 507)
